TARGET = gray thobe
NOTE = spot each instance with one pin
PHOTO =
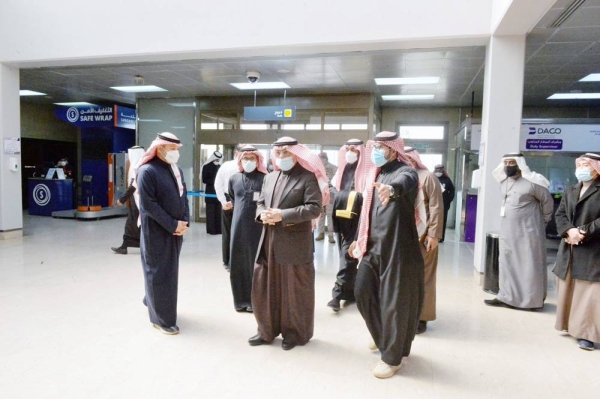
(522, 258)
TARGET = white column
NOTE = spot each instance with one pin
(501, 122)
(11, 213)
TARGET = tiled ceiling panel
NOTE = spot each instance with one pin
(556, 58)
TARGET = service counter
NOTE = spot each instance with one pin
(46, 196)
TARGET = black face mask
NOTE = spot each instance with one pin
(511, 170)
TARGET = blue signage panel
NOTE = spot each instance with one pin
(98, 116)
(125, 117)
(269, 113)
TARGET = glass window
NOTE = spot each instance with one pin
(413, 132)
(258, 126)
(342, 121)
(430, 160)
(213, 121)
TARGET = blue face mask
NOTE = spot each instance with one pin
(583, 174)
(378, 157)
(285, 164)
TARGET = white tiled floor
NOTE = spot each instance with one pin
(73, 326)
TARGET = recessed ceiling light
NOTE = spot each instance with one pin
(76, 104)
(407, 81)
(574, 96)
(30, 93)
(260, 85)
(138, 89)
(405, 97)
(283, 70)
(592, 77)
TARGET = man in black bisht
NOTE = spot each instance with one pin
(448, 192)
(213, 206)
(164, 213)
(349, 183)
(243, 190)
(389, 284)
(131, 234)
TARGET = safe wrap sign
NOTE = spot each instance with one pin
(98, 116)
(560, 138)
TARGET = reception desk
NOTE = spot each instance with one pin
(46, 196)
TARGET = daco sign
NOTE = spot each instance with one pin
(560, 138)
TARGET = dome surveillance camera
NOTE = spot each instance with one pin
(252, 76)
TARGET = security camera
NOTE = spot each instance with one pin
(252, 76)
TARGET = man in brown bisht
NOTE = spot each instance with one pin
(283, 286)
(389, 283)
(430, 206)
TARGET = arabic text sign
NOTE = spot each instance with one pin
(95, 116)
(269, 113)
(564, 138)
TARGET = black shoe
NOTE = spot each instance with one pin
(287, 345)
(173, 330)
(239, 310)
(334, 304)
(120, 250)
(249, 309)
(497, 303)
(257, 340)
(422, 327)
(586, 345)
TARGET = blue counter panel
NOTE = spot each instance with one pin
(47, 196)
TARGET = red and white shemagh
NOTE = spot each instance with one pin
(359, 173)
(420, 211)
(162, 139)
(414, 155)
(248, 149)
(309, 161)
(397, 144)
(593, 159)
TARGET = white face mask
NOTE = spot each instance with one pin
(285, 164)
(438, 174)
(351, 157)
(172, 156)
(248, 166)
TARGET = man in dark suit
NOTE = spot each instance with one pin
(283, 286)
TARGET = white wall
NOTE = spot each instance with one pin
(58, 32)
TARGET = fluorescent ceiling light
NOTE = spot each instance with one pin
(191, 105)
(406, 97)
(138, 89)
(592, 77)
(574, 96)
(407, 81)
(260, 85)
(30, 93)
(76, 104)
(149, 120)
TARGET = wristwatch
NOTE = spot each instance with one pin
(392, 192)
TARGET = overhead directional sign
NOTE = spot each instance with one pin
(264, 114)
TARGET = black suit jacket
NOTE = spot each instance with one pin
(300, 203)
(582, 213)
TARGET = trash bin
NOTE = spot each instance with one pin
(491, 274)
